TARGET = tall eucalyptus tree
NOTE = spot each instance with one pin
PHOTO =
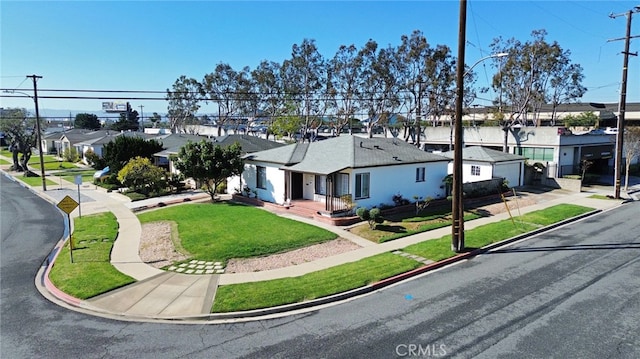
(222, 87)
(305, 78)
(534, 73)
(184, 102)
(268, 89)
(378, 85)
(345, 70)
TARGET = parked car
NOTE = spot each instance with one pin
(101, 173)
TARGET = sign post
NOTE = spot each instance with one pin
(67, 205)
(78, 181)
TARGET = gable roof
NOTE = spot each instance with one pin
(248, 143)
(483, 154)
(346, 151)
(76, 135)
(173, 142)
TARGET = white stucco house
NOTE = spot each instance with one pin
(370, 171)
(481, 164)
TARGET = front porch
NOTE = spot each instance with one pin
(304, 208)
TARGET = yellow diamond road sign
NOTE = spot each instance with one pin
(67, 205)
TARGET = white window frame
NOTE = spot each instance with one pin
(475, 170)
(363, 185)
(420, 174)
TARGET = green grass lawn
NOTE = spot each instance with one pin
(51, 163)
(4, 162)
(314, 285)
(221, 231)
(481, 236)
(254, 295)
(398, 226)
(90, 273)
(35, 181)
(70, 174)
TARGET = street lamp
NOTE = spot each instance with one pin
(457, 208)
(39, 132)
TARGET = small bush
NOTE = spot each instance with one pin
(373, 216)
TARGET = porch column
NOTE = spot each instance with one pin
(287, 186)
(328, 201)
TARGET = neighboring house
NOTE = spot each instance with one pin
(555, 148)
(97, 144)
(172, 144)
(73, 138)
(370, 171)
(481, 164)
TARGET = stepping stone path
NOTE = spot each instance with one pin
(413, 256)
(198, 267)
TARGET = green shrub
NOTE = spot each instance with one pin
(70, 155)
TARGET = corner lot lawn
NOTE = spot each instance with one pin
(91, 273)
(221, 231)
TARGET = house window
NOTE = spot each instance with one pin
(321, 184)
(362, 185)
(341, 187)
(261, 178)
(420, 174)
(475, 170)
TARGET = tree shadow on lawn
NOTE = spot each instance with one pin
(391, 228)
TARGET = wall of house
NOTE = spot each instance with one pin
(513, 172)
(275, 181)
(387, 181)
(486, 171)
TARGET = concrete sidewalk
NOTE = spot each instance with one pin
(168, 296)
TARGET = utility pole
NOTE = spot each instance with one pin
(39, 134)
(141, 119)
(457, 207)
(623, 100)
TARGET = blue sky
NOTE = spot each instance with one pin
(147, 45)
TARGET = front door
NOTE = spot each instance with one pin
(296, 185)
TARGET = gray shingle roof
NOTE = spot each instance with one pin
(338, 153)
(249, 144)
(483, 154)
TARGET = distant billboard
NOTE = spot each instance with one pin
(114, 106)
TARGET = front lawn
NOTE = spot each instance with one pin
(50, 163)
(314, 285)
(405, 224)
(35, 181)
(91, 273)
(221, 231)
(70, 174)
(255, 295)
(481, 236)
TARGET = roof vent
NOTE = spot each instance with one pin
(395, 158)
(376, 146)
(360, 143)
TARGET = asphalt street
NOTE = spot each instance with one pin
(569, 293)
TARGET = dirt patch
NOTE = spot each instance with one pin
(294, 257)
(156, 247)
